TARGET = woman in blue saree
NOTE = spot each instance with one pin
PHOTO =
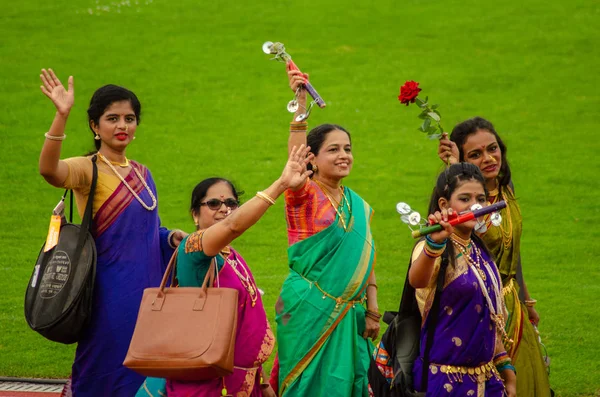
(468, 355)
(322, 323)
(131, 245)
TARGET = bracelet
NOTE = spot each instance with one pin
(170, 238)
(435, 245)
(501, 359)
(298, 126)
(372, 285)
(374, 315)
(530, 302)
(433, 253)
(54, 137)
(265, 197)
(505, 367)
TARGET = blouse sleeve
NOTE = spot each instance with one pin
(295, 198)
(80, 171)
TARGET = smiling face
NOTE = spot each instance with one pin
(482, 149)
(116, 127)
(334, 160)
(462, 199)
(206, 217)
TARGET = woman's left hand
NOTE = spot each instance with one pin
(511, 389)
(268, 392)
(371, 329)
(177, 236)
(295, 173)
(534, 317)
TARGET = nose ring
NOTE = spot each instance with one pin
(126, 127)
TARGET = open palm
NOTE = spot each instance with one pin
(295, 173)
(53, 89)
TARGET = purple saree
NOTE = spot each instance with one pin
(466, 336)
(254, 340)
(132, 248)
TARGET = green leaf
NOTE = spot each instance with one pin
(434, 107)
(423, 115)
(419, 101)
(426, 124)
(434, 116)
(434, 136)
(431, 129)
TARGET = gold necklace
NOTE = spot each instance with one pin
(123, 165)
(152, 196)
(335, 204)
(245, 280)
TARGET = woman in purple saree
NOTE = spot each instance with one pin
(467, 356)
(131, 245)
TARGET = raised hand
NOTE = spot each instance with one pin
(53, 89)
(297, 79)
(295, 173)
(442, 219)
(447, 150)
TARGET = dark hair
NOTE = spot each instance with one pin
(447, 182)
(317, 136)
(199, 192)
(106, 96)
(463, 130)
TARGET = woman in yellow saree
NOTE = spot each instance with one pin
(322, 324)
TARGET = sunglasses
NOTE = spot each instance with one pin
(215, 204)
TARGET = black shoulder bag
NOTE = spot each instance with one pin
(401, 340)
(58, 300)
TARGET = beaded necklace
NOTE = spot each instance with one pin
(495, 311)
(138, 198)
(336, 204)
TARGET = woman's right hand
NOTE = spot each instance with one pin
(53, 89)
(441, 217)
(294, 174)
(297, 80)
(447, 150)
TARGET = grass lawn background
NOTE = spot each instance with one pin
(212, 104)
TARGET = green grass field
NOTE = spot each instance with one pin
(214, 105)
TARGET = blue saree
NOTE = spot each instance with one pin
(132, 255)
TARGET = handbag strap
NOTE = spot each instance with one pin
(86, 223)
(433, 318)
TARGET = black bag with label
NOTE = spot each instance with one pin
(401, 340)
(58, 300)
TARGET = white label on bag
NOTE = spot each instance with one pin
(36, 273)
(56, 275)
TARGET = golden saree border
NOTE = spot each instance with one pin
(306, 360)
(119, 200)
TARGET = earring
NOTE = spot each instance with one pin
(133, 137)
(97, 137)
(315, 169)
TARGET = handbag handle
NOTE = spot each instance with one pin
(158, 301)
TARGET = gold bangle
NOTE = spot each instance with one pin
(371, 313)
(530, 302)
(270, 200)
(54, 137)
(372, 285)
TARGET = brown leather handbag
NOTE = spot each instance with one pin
(185, 333)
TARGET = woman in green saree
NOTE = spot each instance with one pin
(322, 324)
(476, 141)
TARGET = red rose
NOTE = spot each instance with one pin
(409, 92)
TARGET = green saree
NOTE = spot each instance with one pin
(320, 316)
